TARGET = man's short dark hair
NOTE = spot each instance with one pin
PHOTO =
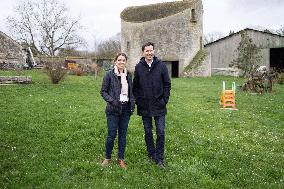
(147, 44)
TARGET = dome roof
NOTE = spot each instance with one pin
(154, 11)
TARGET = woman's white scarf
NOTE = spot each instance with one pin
(124, 84)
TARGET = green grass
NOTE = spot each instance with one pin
(52, 136)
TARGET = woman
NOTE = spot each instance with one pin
(117, 92)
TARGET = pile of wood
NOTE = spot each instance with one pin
(15, 79)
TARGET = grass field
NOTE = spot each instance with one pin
(52, 136)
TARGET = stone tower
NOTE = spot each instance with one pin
(176, 28)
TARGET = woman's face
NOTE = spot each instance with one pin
(120, 62)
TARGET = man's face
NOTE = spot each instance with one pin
(148, 53)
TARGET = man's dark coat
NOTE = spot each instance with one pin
(151, 88)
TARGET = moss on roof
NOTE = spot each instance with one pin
(154, 11)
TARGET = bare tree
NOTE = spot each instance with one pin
(109, 48)
(213, 36)
(45, 26)
(71, 51)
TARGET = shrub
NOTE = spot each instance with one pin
(280, 78)
(260, 81)
(95, 70)
(55, 69)
(79, 71)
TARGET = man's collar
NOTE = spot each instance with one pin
(149, 63)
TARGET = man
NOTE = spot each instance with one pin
(151, 89)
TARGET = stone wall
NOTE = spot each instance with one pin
(81, 60)
(203, 70)
(78, 60)
(176, 37)
(11, 53)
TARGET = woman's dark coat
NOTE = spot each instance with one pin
(151, 88)
(110, 91)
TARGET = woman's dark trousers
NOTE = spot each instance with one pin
(117, 124)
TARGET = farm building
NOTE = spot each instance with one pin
(176, 29)
(223, 51)
(12, 53)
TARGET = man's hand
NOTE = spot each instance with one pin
(115, 103)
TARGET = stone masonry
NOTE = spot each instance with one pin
(11, 53)
(177, 36)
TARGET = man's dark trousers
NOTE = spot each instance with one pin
(158, 152)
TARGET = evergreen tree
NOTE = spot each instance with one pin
(248, 56)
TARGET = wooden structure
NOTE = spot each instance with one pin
(15, 79)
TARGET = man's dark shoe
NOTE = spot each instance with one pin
(161, 164)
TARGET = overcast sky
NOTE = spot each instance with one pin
(101, 18)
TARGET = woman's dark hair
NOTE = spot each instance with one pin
(148, 44)
(119, 54)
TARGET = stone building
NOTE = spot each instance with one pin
(223, 51)
(176, 29)
(11, 53)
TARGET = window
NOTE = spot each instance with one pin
(193, 16)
